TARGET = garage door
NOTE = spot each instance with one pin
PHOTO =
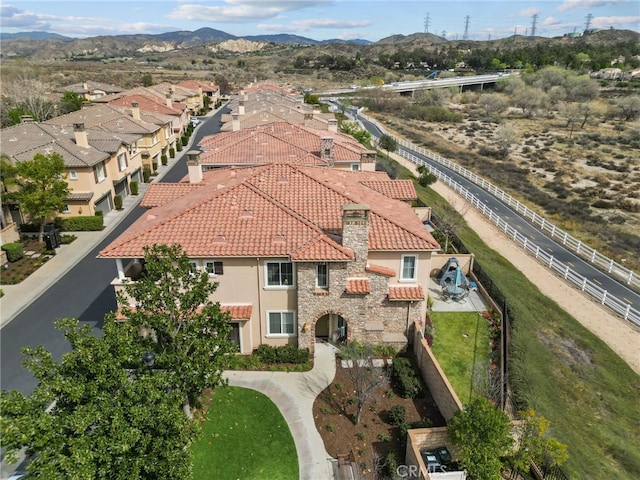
(105, 204)
(121, 189)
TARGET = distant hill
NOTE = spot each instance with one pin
(44, 46)
(33, 36)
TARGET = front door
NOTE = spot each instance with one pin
(234, 334)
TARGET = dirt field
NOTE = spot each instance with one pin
(621, 336)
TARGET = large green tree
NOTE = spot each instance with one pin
(42, 190)
(185, 330)
(98, 413)
(388, 143)
(102, 413)
(70, 102)
(482, 432)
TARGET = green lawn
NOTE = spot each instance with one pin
(563, 371)
(461, 344)
(244, 437)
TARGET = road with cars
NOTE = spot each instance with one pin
(84, 292)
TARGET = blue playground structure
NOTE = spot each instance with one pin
(455, 285)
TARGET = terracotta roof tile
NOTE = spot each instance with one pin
(389, 272)
(158, 194)
(275, 210)
(358, 286)
(398, 189)
(406, 293)
(238, 312)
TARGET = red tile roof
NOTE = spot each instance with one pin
(389, 272)
(150, 103)
(277, 210)
(238, 312)
(279, 142)
(358, 286)
(399, 189)
(406, 293)
(158, 194)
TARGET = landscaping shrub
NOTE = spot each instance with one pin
(146, 174)
(289, 353)
(172, 152)
(99, 213)
(164, 159)
(117, 201)
(82, 223)
(406, 378)
(266, 353)
(134, 187)
(398, 415)
(154, 168)
(185, 140)
(15, 251)
(179, 146)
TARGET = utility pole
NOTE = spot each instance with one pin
(589, 17)
(465, 36)
(533, 25)
(427, 22)
(515, 31)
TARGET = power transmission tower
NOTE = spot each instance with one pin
(589, 17)
(444, 34)
(515, 31)
(427, 22)
(533, 25)
(465, 36)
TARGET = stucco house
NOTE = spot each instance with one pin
(90, 90)
(98, 164)
(299, 252)
(283, 142)
(118, 120)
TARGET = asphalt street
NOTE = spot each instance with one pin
(84, 292)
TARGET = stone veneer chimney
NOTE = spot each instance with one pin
(235, 122)
(308, 119)
(241, 107)
(326, 149)
(355, 235)
(194, 167)
(81, 135)
(333, 125)
(135, 110)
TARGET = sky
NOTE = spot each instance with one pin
(320, 19)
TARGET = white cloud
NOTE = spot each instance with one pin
(631, 23)
(14, 17)
(242, 11)
(551, 21)
(571, 4)
(313, 23)
(529, 12)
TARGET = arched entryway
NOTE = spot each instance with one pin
(331, 327)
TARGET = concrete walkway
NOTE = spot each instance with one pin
(294, 394)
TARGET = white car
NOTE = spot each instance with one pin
(195, 121)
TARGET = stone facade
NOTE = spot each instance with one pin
(370, 317)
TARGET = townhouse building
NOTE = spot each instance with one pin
(299, 252)
(98, 164)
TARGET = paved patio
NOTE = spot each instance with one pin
(472, 303)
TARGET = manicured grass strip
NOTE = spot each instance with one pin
(563, 371)
(461, 345)
(244, 437)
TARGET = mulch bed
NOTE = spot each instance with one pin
(373, 437)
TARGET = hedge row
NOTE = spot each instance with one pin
(15, 251)
(288, 353)
(80, 224)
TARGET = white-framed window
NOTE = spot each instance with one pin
(73, 175)
(99, 172)
(279, 274)
(122, 162)
(66, 209)
(409, 268)
(155, 137)
(322, 275)
(355, 167)
(133, 148)
(193, 266)
(281, 324)
(213, 267)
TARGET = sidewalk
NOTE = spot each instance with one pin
(18, 297)
(294, 394)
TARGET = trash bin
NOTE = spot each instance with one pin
(49, 241)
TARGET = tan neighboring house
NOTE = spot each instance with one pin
(91, 91)
(192, 98)
(260, 105)
(172, 119)
(298, 252)
(119, 120)
(98, 164)
(284, 142)
(204, 89)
